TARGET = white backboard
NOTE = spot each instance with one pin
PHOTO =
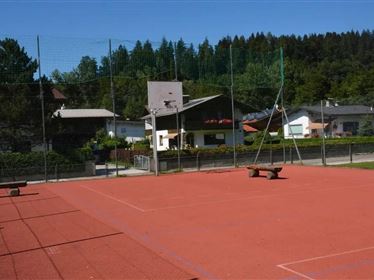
(164, 97)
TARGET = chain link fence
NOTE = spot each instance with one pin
(55, 173)
(343, 153)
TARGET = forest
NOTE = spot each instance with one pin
(316, 66)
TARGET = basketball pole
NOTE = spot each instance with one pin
(43, 117)
(113, 105)
(154, 141)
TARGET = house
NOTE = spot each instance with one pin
(339, 121)
(203, 122)
(133, 131)
(258, 121)
(74, 127)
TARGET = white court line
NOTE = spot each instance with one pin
(115, 199)
(295, 272)
(283, 265)
(329, 256)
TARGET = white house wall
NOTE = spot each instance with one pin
(199, 137)
(299, 118)
(164, 144)
(133, 131)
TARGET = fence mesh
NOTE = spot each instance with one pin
(76, 75)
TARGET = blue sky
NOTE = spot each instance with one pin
(69, 26)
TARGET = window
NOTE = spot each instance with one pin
(161, 140)
(214, 139)
(295, 129)
(351, 127)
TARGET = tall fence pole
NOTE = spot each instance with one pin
(323, 136)
(175, 62)
(113, 104)
(42, 105)
(282, 100)
(232, 107)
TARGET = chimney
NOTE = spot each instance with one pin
(186, 99)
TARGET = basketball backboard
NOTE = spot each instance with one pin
(165, 97)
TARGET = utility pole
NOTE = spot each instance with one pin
(232, 107)
(43, 117)
(113, 104)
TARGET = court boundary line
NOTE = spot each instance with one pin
(115, 199)
(295, 272)
(284, 265)
(209, 202)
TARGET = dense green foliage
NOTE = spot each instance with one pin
(36, 159)
(317, 66)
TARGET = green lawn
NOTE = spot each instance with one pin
(364, 165)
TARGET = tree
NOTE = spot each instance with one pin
(20, 110)
(15, 64)
(366, 127)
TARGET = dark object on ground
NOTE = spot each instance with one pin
(254, 170)
(13, 187)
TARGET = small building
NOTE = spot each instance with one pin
(133, 131)
(203, 122)
(74, 127)
(339, 121)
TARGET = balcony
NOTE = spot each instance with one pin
(212, 124)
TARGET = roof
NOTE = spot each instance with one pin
(83, 113)
(340, 110)
(192, 103)
(57, 94)
(248, 128)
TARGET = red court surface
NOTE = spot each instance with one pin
(313, 223)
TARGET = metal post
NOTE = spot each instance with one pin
(113, 104)
(154, 140)
(291, 155)
(282, 101)
(43, 118)
(323, 136)
(198, 161)
(350, 152)
(56, 172)
(178, 140)
(271, 151)
(232, 106)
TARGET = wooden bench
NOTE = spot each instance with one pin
(13, 187)
(254, 170)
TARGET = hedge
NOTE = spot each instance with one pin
(36, 159)
(309, 142)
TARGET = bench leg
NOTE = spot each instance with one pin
(14, 192)
(272, 175)
(253, 173)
